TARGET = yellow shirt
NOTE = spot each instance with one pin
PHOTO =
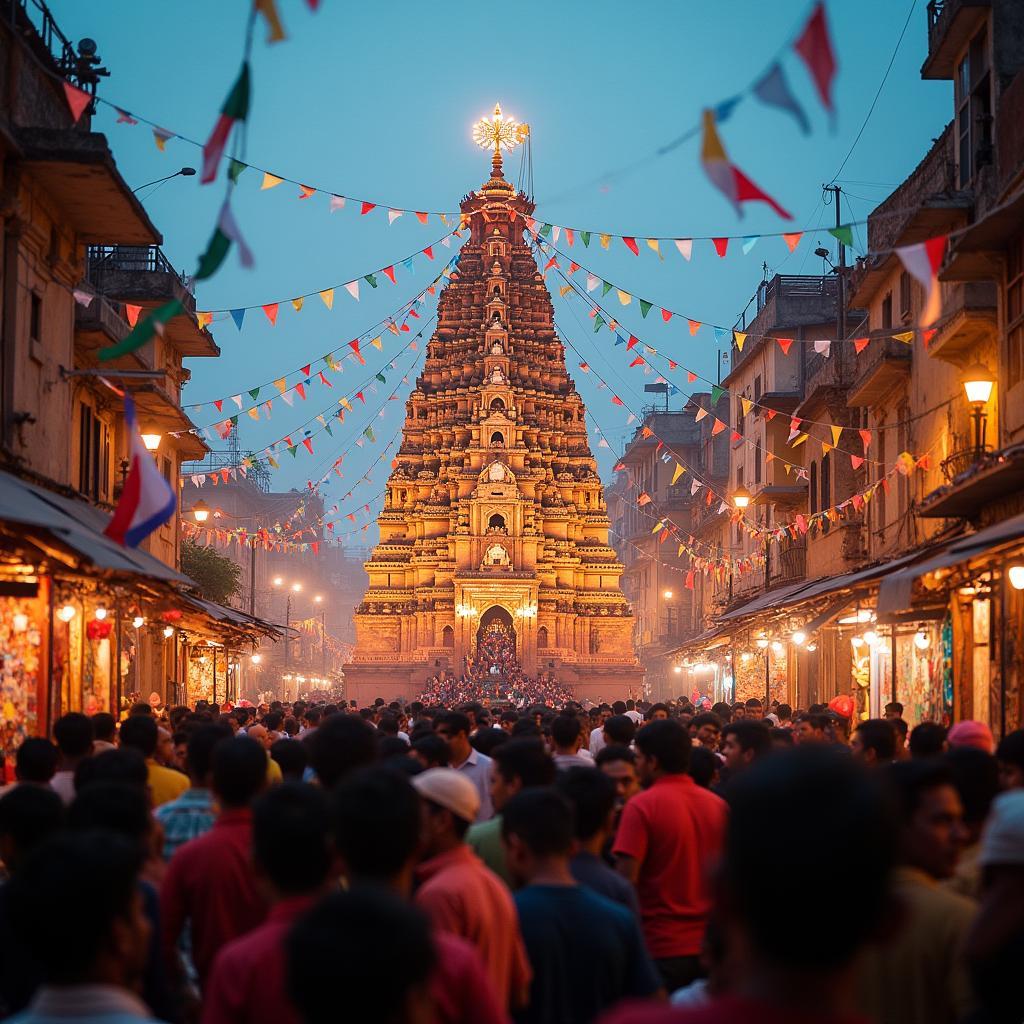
(273, 772)
(918, 976)
(165, 784)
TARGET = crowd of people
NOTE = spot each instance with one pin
(631, 863)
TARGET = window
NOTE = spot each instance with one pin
(542, 636)
(1015, 313)
(813, 488)
(757, 388)
(448, 637)
(904, 295)
(93, 455)
(35, 327)
(826, 482)
(973, 102)
(757, 462)
(887, 311)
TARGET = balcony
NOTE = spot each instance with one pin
(788, 565)
(975, 482)
(951, 26)
(143, 276)
(882, 365)
(968, 320)
(825, 377)
(100, 325)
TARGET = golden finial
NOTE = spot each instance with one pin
(500, 133)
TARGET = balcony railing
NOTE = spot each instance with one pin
(17, 12)
(130, 259)
(788, 565)
(960, 461)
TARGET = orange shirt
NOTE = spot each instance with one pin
(463, 896)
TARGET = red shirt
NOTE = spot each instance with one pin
(724, 1010)
(462, 992)
(247, 984)
(210, 883)
(674, 830)
(462, 896)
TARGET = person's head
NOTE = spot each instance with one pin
(657, 713)
(812, 728)
(164, 746)
(706, 729)
(116, 807)
(874, 742)
(723, 710)
(894, 709)
(972, 734)
(77, 908)
(928, 739)
(261, 734)
(838, 827)
(619, 764)
(376, 822)
(239, 771)
(565, 734)
(931, 832)
(662, 748)
(901, 728)
(290, 844)
(975, 775)
(291, 758)
(35, 761)
(199, 752)
(517, 765)
(619, 730)
(364, 950)
(487, 739)
(508, 720)
(123, 767)
(340, 745)
(29, 815)
(738, 711)
(140, 732)
(537, 828)
(104, 728)
(704, 766)
(754, 709)
(1010, 755)
(784, 712)
(74, 736)
(431, 750)
(743, 742)
(526, 726)
(454, 727)
(591, 794)
(450, 805)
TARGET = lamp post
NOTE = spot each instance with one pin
(294, 588)
(978, 383)
(318, 599)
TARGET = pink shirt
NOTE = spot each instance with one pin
(462, 896)
(462, 992)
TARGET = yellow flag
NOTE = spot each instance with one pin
(273, 462)
(345, 402)
(836, 433)
(905, 336)
(682, 548)
(203, 319)
(799, 440)
(605, 241)
(270, 180)
(376, 343)
(679, 471)
(297, 303)
(624, 297)
(653, 243)
(275, 30)
(254, 413)
(826, 447)
(281, 385)
(747, 405)
(328, 296)
(564, 290)
(741, 338)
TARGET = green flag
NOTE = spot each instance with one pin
(645, 308)
(844, 233)
(144, 330)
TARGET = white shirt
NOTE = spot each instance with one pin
(563, 761)
(478, 768)
(63, 784)
(635, 716)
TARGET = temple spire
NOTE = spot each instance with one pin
(500, 133)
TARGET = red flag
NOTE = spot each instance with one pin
(632, 341)
(865, 436)
(78, 100)
(367, 207)
(666, 315)
(271, 310)
(429, 253)
(859, 344)
(785, 344)
(631, 245)
(815, 49)
(389, 273)
(721, 244)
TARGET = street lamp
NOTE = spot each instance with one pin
(741, 497)
(151, 441)
(200, 511)
(667, 595)
(978, 384)
(295, 588)
(319, 599)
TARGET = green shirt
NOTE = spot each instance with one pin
(485, 840)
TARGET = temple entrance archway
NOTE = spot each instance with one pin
(496, 638)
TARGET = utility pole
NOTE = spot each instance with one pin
(837, 192)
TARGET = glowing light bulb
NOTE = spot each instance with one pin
(921, 640)
(100, 613)
(870, 637)
(1016, 575)
(67, 613)
(139, 621)
(799, 638)
(168, 631)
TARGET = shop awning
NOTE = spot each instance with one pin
(896, 592)
(709, 640)
(234, 618)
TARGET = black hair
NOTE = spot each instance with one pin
(239, 770)
(367, 944)
(619, 707)
(975, 774)
(723, 709)
(104, 727)
(29, 815)
(1011, 748)
(140, 732)
(341, 744)
(565, 730)
(613, 752)
(901, 727)
(668, 741)
(654, 708)
(124, 766)
(312, 715)
(201, 744)
(839, 826)
(509, 716)
(908, 781)
(753, 702)
(877, 734)
(273, 721)
(525, 759)
(542, 818)
(784, 711)
(375, 818)
(73, 734)
(620, 730)
(750, 735)
(706, 718)
(781, 738)
(488, 739)
(591, 794)
(113, 806)
(291, 758)
(703, 765)
(388, 725)
(389, 747)
(36, 760)
(64, 902)
(927, 739)
(454, 721)
(816, 720)
(894, 706)
(525, 727)
(433, 749)
(289, 837)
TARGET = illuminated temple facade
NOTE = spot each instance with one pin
(494, 510)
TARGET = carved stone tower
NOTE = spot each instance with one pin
(495, 509)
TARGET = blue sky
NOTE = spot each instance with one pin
(377, 101)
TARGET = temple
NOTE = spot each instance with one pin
(494, 516)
